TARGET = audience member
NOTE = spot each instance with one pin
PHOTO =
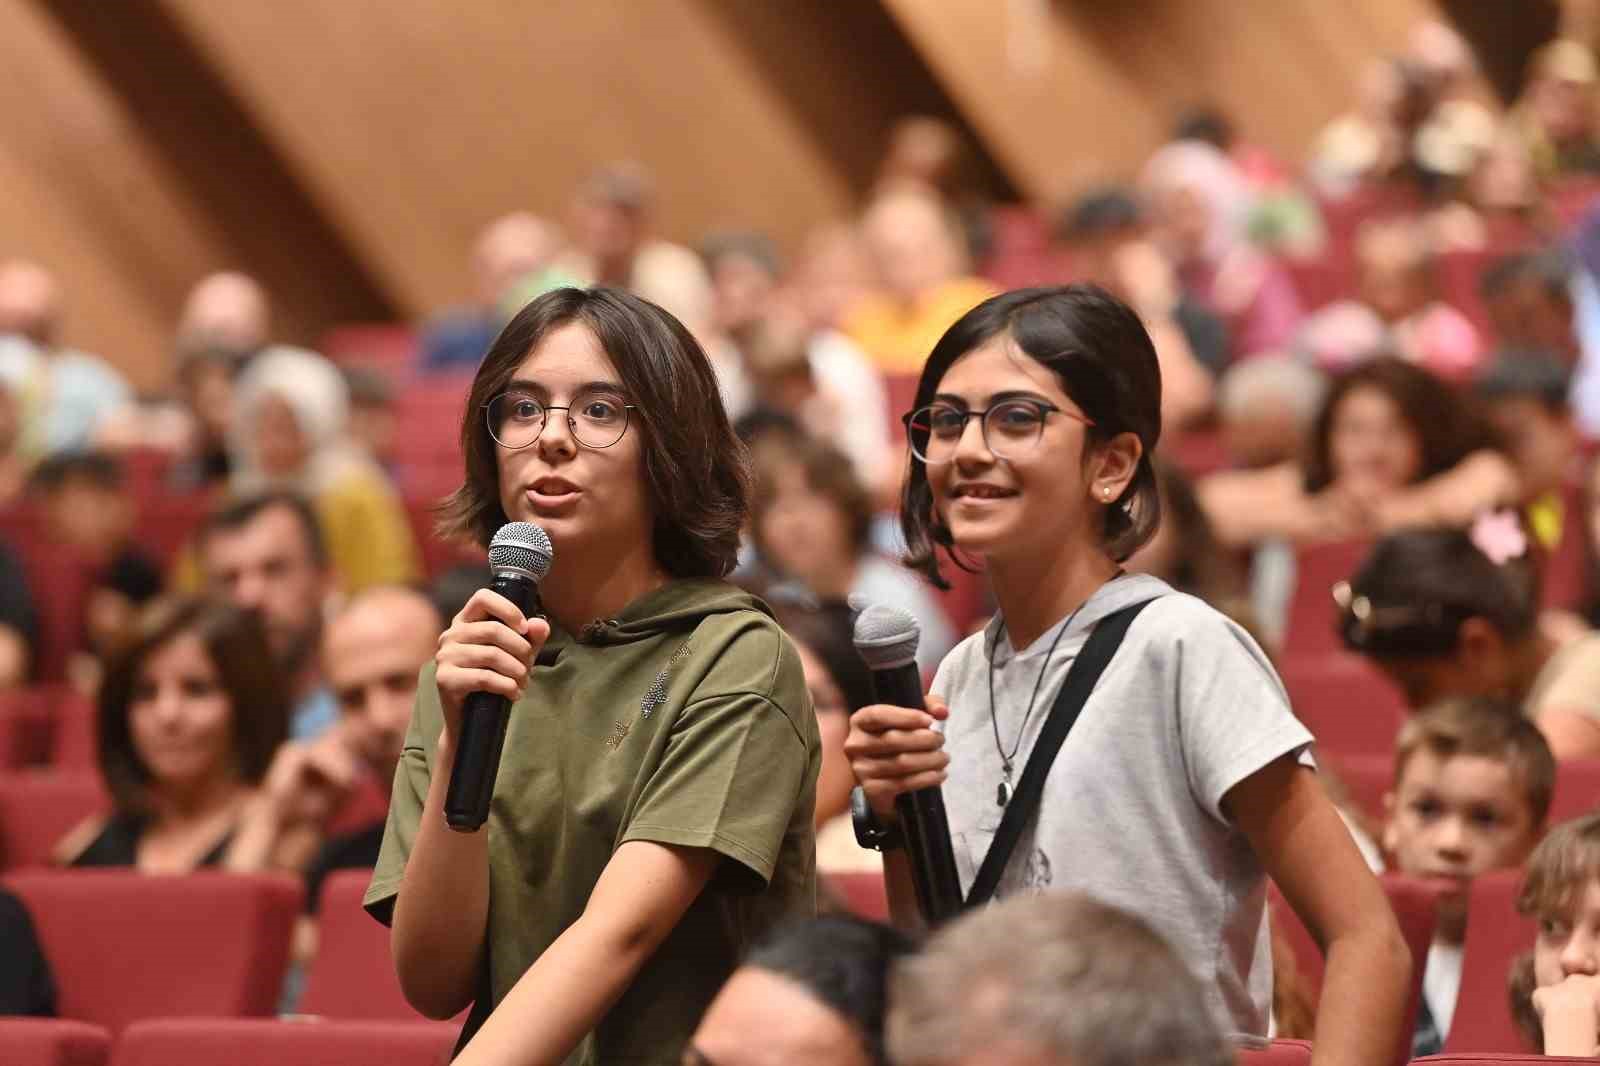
(27, 986)
(292, 432)
(1199, 204)
(1375, 142)
(1556, 114)
(1266, 409)
(1525, 397)
(1393, 447)
(374, 428)
(923, 278)
(1528, 299)
(19, 620)
(510, 250)
(1050, 980)
(225, 312)
(66, 394)
(1396, 310)
(812, 522)
(1453, 613)
(190, 714)
(1472, 786)
(813, 994)
(840, 685)
(266, 553)
(1555, 991)
(205, 396)
(832, 275)
(745, 271)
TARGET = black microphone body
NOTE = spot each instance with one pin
(485, 715)
(923, 822)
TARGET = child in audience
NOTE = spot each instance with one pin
(190, 714)
(1555, 990)
(1472, 785)
(1455, 613)
(1525, 396)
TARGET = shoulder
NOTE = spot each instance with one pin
(1177, 624)
(744, 650)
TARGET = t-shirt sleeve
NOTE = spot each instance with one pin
(1233, 713)
(737, 765)
(411, 779)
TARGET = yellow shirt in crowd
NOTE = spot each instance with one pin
(898, 337)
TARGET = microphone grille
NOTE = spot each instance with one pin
(522, 546)
(886, 637)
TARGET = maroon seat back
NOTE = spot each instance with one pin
(1496, 935)
(353, 974)
(40, 807)
(269, 1042)
(53, 1042)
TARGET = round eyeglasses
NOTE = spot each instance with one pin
(596, 419)
(1011, 428)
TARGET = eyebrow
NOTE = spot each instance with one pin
(528, 385)
(994, 398)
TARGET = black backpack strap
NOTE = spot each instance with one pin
(1075, 691)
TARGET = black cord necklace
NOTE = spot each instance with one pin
(1002, 795)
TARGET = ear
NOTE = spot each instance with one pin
(1115, 464)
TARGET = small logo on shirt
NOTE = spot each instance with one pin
(619, 733)
(658, 689)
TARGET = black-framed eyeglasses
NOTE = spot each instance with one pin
(596, 419)
(1011, 428)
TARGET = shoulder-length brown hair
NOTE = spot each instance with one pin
(237, 645)
(1448, 425)
(695, 468)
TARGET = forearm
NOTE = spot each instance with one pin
(1362, 1007)
(253, 843)
(442, 910)
(559, 1000)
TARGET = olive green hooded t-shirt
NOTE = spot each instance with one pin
(685, 720)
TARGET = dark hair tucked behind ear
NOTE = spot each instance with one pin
(695, 469)
(1100, 351)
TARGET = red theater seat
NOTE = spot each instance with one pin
(1277, 1053)
(127, 946)
(1577, 789)
(53, 1042)
(39, 807)
(1312, 614)
(1365, 779)
(1349, 707)
(353, 974)
(1496, 934)
(239, 1042)
(1492, 1059)
(864, 893)
(382, 346)
(1413, 904)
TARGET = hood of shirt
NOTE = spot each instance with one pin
(678, 606)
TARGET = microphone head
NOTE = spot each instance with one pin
(886, 637)
(521, 546)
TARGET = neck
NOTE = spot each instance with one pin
(598, 586)
(190, 801)
(1036, 593)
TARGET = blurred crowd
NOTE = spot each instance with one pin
(1394, 342)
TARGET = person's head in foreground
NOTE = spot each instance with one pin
(812, 994)
(1472, 786)
(1555, 991)
(1049, 980)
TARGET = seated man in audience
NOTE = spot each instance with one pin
(813, 995)
(1050, 980)
(266, 552)
(1472, 786)
(1448, 613)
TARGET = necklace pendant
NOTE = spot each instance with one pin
(1002, 795)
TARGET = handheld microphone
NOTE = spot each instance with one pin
(519, 558)
(886, 639)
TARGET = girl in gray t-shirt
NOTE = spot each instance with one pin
(1186, 781)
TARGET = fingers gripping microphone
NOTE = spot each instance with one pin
(886, 638)
(519, 557)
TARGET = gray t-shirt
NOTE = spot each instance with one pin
(1131, 812)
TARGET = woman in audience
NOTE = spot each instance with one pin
(190, 714)
(812, 525)
(1555, 990)
(1393, 447)
(1448, 612)
(292, 431)
(653, 814)
(1052, 491)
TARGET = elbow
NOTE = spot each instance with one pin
(434, 988)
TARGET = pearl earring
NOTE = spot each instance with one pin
(1106, 492)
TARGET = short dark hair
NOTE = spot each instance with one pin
(1105, 361)
(1415, 588)
(1095, 214)
(1448, 427)
(1487, 728)
(237, 644)
(827, 471)
(695, 469)
(844, 963)
(1518, 374)
(94, 469)
(233, 514)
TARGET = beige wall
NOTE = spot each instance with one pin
(390, 130)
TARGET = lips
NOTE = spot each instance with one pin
(979, 490)
(554, 486)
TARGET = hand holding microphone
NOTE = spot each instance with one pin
(483, 662)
